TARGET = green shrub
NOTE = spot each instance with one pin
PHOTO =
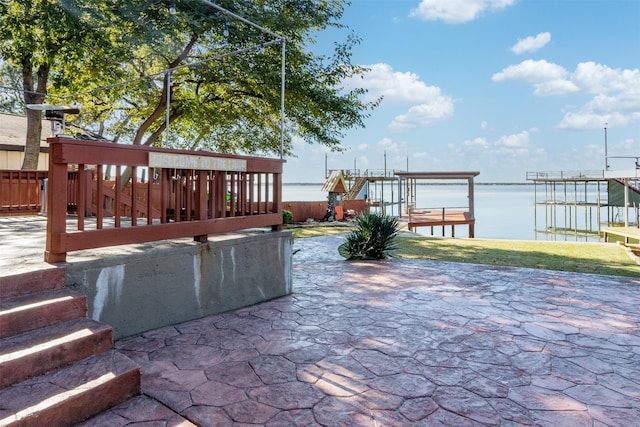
(373, 237)
(287, 216)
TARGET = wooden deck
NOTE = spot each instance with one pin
(441, 217)
(626, 233)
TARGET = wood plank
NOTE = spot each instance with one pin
(67, 242)
(427, 218)
(625, 232)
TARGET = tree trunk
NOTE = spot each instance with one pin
(33, 95)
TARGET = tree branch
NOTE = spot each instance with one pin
(162, 103)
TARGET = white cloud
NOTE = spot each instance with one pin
(531, 43)
(615, 92)
(477, 143)
(363, 161)
(589, 77)
(420, 115)
(484, 124)
(598, 78)
(386, 144)
(629, 145)
(515, 141)
(589, 120)
(531, 71)
(396, 86)
(616, 97)
(547, 78)
(507, 145)
(555, 87)
(429, 103)
(456, 11)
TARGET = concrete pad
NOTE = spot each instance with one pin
(403, 342)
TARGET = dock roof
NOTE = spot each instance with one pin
(437, 175)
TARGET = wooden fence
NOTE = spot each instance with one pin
(189, 194)
(316, 210)
(21, 191)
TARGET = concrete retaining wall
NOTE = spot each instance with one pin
(170, 284)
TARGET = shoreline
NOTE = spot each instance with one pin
(429, 183)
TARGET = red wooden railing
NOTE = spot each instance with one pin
(190, 194)
(20, 191)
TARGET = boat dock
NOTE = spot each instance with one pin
(439, 217)
(432, 217)
(626, 234)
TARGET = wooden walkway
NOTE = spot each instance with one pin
(626, 233)
(441, 217)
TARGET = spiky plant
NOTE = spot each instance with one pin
(373, 237)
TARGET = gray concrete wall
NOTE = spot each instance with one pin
(172, 283)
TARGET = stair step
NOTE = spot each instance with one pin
(70, 394)
(36, 352)
(32, 281)
(28, 312)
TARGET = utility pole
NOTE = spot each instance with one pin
(606, 156)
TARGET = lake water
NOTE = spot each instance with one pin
(502, 211)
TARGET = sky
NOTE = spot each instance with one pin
(503, 87)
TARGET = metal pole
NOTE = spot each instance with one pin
(400, 197)
(626, 202)
(282, 86)
(598, 211)
(535, 210)
(471, 203)
(283, 70)
(326, 171)
(383, 179)
(166, 129)
(606, 157)
(240, 18)
(64, 122)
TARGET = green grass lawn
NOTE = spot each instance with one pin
(598, 258)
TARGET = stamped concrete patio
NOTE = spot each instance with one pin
(399, 342)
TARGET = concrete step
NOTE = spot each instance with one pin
(42, 350)
(71, 394)
(30, 282)
(25, 313)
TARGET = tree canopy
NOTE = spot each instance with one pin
(37, 38)
(111, 57)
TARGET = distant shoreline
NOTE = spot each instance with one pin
(427, 183)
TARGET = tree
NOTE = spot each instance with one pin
(225, 84)
(11, 99)
(39, 37)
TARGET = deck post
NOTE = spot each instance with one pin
(277, 199)
(201, 202)
(472, 225)
(56, 205)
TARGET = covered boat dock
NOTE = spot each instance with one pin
(441, 216)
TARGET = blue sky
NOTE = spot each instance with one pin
(503, 87)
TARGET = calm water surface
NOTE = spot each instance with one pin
(502, 211)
